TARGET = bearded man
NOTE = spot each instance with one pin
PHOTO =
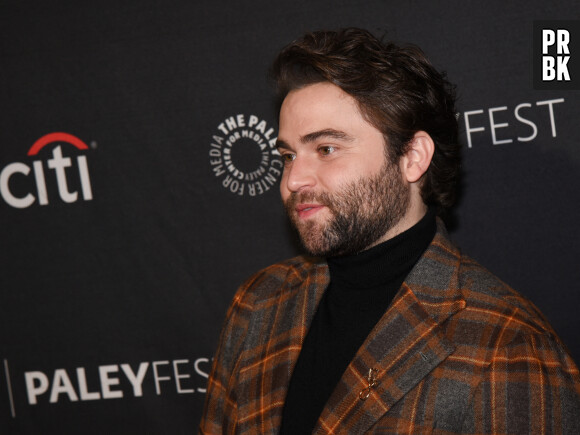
(385, 327)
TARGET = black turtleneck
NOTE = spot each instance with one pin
(361, 288)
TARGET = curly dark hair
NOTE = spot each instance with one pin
(397, 90)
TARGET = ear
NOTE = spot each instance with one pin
(415, 162)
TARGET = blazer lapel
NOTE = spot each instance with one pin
(278, 338)
(405, 346)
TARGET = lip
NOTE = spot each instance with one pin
(304, 211)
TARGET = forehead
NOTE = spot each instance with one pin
(320, 106)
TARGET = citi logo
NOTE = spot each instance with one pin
(58, 167)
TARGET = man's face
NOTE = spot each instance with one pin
(339, 189)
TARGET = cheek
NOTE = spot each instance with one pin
(284, 192)
(333, 177)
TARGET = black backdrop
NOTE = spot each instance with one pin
(123, 243)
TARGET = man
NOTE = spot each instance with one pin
(386, 327)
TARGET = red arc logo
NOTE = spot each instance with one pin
(56, 137)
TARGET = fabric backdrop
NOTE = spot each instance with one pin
(139, 188)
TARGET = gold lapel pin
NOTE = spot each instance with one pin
(372, 381)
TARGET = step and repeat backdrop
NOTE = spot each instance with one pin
(139, 184)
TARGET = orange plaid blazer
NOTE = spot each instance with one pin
(457, 351)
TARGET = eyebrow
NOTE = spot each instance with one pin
(326, 133)
(315, 135)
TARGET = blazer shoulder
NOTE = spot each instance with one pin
(268, 282)
(445, 273)
(485, 292)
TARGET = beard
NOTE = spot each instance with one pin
(361, 213)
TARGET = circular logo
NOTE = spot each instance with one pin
(243, 155)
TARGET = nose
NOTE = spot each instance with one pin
(299, 175)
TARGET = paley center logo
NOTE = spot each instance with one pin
(243, 155)
(557, 54)
(19, 191)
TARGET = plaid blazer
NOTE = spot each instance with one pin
(457, 351)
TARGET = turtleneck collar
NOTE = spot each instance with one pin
(388, 261)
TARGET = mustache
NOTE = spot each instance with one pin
(296, 198)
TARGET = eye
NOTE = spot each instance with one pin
(288, 158)
(326, 150)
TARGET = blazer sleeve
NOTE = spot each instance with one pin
(220, 410)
